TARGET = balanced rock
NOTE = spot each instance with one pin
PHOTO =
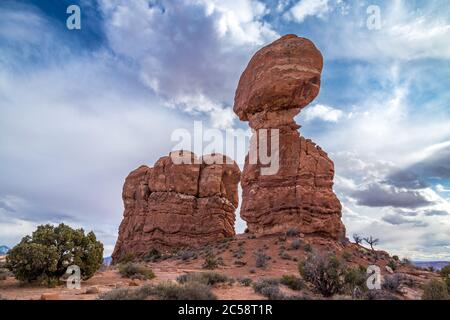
(280, 80)
(182, 201)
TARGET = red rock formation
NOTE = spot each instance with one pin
(178, 203)
(280, 80)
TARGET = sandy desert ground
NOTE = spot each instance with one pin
(283, 262)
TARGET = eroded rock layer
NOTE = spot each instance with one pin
(280, 80)
(182, 201)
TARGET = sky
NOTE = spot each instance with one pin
(80, 109)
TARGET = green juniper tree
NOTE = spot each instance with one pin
(44, 256)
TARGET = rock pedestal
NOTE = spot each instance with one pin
(279, 81)
(182, 201)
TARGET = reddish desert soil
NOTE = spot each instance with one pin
(169, 269)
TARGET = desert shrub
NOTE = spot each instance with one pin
(355, 280)
(266, 282)
(188, 254)
(292, 232)
(187, 291)
(220, 261)
(222, 246)
(210, 262)
(378, 295)
(240, 263)
(406, 262)
(165, 291)
(392, 283)
(408, 281)
(445, 274)
(346, 255)
(49, 281)
(239, 253)
(127, 257)
(396, 258)
(272, 293)
(136, 271)
(308, 248)
(208, 278)
(391, 264)
(268, 288)
(261, 259)
(225, 240)
(127, 293)
(118, 294)
(44, 256)
(152, 256)
(325, 272)
(285, 256)
(292, 282)
(252, 270)
(435, 290)
(295, 244)
(296, 297)
(246, 282)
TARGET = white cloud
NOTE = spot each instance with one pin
(441, 188)
(220, 117)
(322, 112)
(13, 231)
(240, 21)
(282, 5)
(69, 135)
(415, 233)
(383, 122)
(396, 219)
(429, 151)
(418, 38)
(189, 53)
(307, 8)
(408, 31)
(223, 118)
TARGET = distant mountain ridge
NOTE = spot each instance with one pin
(4, 250)
(437, 265)
(107, 261)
